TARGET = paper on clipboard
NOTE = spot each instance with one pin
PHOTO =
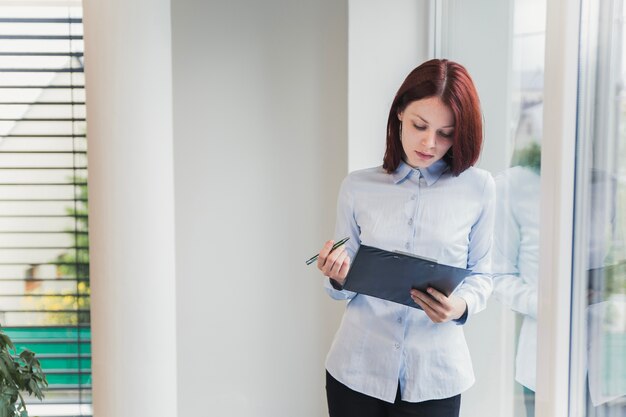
(391, 275)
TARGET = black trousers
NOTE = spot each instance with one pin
(344, 402)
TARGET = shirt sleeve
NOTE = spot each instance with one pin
(477, 287)
(509, 287)
(345, 226)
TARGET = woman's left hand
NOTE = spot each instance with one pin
(438, 307)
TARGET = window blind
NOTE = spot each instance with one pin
(44, 250)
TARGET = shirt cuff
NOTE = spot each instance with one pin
(336, 285)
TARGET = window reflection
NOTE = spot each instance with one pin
(516, 241)
(600, 230)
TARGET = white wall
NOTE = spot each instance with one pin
(485, 50)
(386, 43)
(260, 127)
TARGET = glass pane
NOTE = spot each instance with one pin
(599, 276)
(516, 241)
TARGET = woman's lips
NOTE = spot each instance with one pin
(423, 155)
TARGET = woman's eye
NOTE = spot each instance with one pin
(446, 135)
(420, 127)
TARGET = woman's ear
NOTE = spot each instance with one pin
(400, 113)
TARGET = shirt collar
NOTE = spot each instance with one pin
(430, 174)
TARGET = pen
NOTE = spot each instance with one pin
(335, 246)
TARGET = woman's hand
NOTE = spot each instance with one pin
(438, 307)
(334, 264)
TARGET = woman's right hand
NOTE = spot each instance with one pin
(334, 264)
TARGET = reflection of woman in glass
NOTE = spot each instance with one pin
(388, 359)
(516, 258)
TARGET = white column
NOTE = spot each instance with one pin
(558, 158)
(129, 113)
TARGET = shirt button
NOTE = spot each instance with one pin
(397, 346)
(413, 197)
(406, 245)
(399, 319)
(410, 222)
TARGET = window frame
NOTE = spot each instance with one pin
(558, 161)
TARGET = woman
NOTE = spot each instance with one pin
(388, 359)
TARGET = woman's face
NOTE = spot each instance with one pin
(427, 131)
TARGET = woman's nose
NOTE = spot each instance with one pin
(428, 140)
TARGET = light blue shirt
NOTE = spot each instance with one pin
(429, 213)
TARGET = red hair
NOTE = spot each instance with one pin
(453, 85)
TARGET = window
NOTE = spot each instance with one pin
(598, 360)
(516, 244)
(44, 256)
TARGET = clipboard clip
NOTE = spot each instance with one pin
(424, 258)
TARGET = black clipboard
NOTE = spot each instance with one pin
(391, 275)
